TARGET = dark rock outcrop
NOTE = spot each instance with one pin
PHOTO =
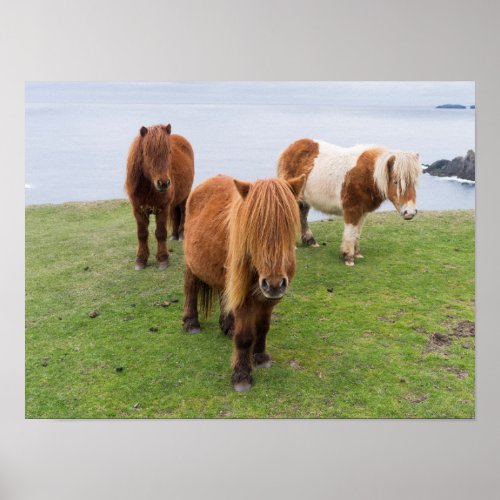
(462, 167)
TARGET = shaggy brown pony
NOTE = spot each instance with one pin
(160, 172)
(240, 243)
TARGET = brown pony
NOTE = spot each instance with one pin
(240, 243)
(351, 182)
(160, 172)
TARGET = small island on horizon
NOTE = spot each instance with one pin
(455, 106)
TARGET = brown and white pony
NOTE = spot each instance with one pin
(240, 243)
(351, 182)
(160, 173)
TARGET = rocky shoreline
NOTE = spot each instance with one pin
(463, 167)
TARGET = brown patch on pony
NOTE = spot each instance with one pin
(297, 159)
(154, 155)
(359, 192)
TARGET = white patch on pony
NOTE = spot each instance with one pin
(406, 169)
(324, 184)
(350, 232)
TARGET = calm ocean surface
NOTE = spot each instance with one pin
(78, 134)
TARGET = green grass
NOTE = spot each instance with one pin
(361, 351)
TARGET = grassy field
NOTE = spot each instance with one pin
(391, 337)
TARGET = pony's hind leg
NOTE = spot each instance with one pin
(161, 237)
(182, 211)
(305, 231)
(261, 358)
(142, 254)
(191, 289)
(357, 249)
(176, 222)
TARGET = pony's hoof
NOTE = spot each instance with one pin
(359, 256)
(264, 364)
(191, 326)
(163, 265)
(242, 386)
(262, 360)
(314, 245)
(174, 238)
(139, 266)
(349, 263)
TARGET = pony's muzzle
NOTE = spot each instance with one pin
(409, 213)
(162, 185)
(273, 288)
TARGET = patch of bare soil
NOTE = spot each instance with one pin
(416, 399)
(295, 365)
(457, 371)
(465, 328)
(386, 320)
(437, 341)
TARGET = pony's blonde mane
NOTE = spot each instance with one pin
(406, 169)
(262, 232)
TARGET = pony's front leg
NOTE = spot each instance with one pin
(261, 358)
(348, 247)
(142, 255)
(244, 336)
(191, 289)
(305, 231)
(161, 237)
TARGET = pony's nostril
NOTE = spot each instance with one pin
(283, 283)
(265, 284)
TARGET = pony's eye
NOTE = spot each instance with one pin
(395, 182)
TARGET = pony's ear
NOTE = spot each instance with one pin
(143, 131)
(243, 187)
(168, 129)
(297, 184)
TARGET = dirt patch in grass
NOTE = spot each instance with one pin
(386, 320)
(457, 371)
(465, 328)
(437, 342)
(416, 399)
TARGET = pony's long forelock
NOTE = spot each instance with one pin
(156, 142)
(406, 169)
(262, 233)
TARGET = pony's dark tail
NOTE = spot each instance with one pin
(206, 299)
